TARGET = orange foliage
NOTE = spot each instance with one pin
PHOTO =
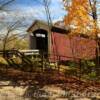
(78, 16)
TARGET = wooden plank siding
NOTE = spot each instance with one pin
(64, 47)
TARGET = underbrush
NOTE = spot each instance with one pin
(86, 71)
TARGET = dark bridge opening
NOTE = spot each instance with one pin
(40, 40)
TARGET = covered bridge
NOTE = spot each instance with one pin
(58, 44)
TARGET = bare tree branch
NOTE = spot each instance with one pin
(4, 4)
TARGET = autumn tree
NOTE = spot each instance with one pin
(94, 16)
(82, 19)
(79, 16)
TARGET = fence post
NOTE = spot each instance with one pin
(58, 63)
(80, 66)
(42, 61)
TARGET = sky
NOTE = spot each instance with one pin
(29, 10)
(33, 9)
(36, 8)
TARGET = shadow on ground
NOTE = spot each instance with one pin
(36, 81)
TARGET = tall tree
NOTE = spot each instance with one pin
(82, 15)
(94, 16)
(79, 16)
(9, 27)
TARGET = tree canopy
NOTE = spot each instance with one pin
(80, 16)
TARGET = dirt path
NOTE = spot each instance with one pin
(49, 92)
(18, 85)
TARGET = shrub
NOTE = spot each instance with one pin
(3, 61)
(92, 75)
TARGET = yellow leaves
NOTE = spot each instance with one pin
(78, 15)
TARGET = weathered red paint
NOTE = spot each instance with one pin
(64, 47)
